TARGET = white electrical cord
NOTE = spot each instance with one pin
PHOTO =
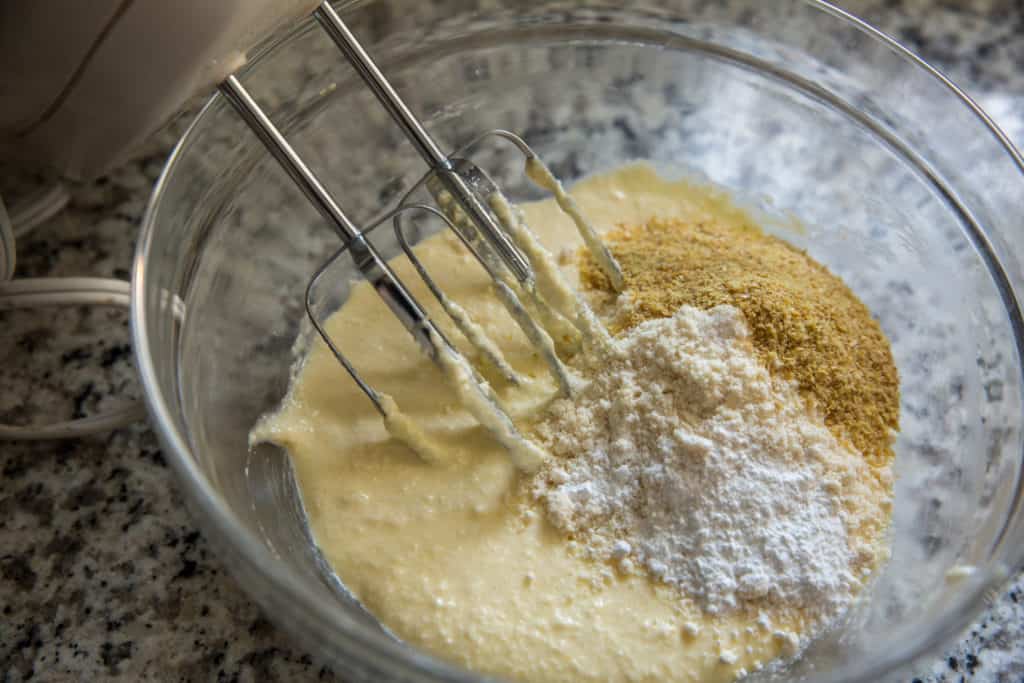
(72, 291)
(32, 292)
(6, 245)
(39, 206)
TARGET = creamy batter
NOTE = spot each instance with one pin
(448, 554)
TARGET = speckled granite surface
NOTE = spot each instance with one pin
(103, 575)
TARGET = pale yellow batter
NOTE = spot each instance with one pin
(444, 554)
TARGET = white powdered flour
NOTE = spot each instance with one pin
(683, 457)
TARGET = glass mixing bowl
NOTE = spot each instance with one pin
(902, 186)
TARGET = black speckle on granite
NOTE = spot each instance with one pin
(114, 354)
(77, 355)
(114, 654)
(14, 467)
(35, 499)
(62, 551)
(80, 399)
(85, 495)
(188, 570)
(260, 626)
(17, 570)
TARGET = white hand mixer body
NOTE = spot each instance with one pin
(82, 83)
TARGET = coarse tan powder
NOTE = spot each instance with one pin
(805, 323)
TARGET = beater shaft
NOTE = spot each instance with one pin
(369, 262)
(471, 204)
(374, 78)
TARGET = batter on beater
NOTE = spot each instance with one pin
(700, 511)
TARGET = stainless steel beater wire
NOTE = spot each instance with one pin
(370, 392)
(339, 355)
(385, 93)
(374, 269)
(506, 135)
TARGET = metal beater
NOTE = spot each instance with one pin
(470, 204)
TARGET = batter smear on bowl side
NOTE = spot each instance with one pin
(716, 490)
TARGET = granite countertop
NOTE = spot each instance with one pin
(103, 573)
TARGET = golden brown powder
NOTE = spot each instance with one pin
(805, 323)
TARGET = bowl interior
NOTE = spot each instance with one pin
(839, 142)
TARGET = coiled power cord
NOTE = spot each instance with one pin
(62, 291)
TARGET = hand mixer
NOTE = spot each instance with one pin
(524, 274)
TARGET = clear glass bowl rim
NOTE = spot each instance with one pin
(304, 612)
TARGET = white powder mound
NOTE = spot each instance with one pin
(683, 456)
